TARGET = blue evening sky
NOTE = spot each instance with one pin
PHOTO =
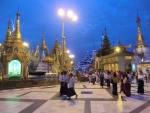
(37, 16)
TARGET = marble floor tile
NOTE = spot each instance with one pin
(61, 106)
(13, 106)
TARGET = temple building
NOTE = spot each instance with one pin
(116, 58)
(15, 53)
(16, 60)
(50, 61)
(119, 60)
(141, 59)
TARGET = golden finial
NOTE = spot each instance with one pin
(17, 33)
(43, 44)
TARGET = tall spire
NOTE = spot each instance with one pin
(56, 44)
(43, 44)
(8, 33)
(43, 47)
(140, 39)
(105, 31)
(37, 51)
(17, 33)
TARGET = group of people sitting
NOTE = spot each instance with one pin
(67, 83)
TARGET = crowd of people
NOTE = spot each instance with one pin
(124, 79)
(67, 83)
(105, 78)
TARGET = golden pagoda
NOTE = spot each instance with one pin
(140, 39)
(141, 59)
(15, 55)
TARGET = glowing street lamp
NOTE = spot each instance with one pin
(25, 44)
(71, 56)
(75, 18)
(64, 15)
(70, 14)
(71, 62)
(61, 12)
(68, 51)
(118, 49)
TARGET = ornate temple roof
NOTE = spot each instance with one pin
(48, 59)
(140, 39)
(57, 45)
(8, 33)
(17, 33)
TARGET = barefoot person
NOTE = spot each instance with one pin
(127, 85)
(140, 82)
(71, 84)
(63, 83)
(114, 84)
(101, 77)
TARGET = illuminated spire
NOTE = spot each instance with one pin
(17, 33)
(43, 44)
(140, 39)
(8, 33)
(37, 51)
(105, 35)
(56, 44)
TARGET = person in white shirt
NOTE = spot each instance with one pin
(93, 78)
(71, 85)
(107, 78)
(63, 83)
(101, 77)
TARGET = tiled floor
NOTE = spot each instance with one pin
(91, 99)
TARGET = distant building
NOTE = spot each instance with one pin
(119, 60)
(116, 58)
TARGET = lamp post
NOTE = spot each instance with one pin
(64, 15)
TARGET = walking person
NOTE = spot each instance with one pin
(140, 82)
(97, 76)
(93, 78)
(90, 77)
(71, 85)
(127, 85)
(101, 77)
(107, 78)
(114, 82)
(63, 83)
(121, 83)
(129, 76)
